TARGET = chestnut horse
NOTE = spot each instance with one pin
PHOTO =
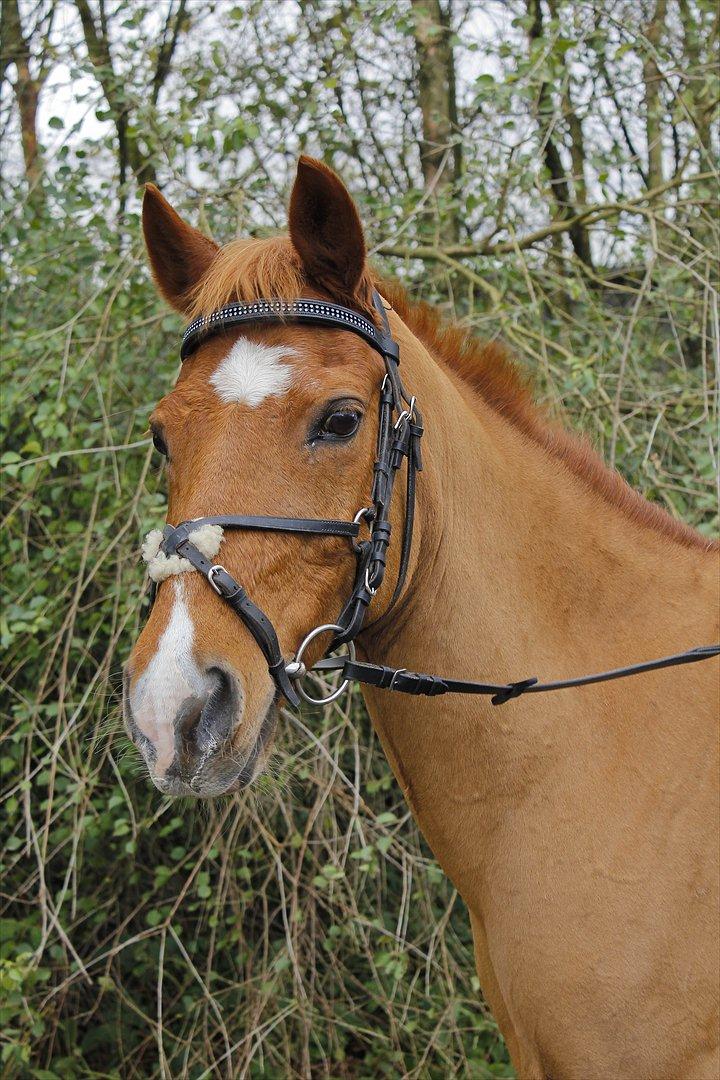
(581, 827)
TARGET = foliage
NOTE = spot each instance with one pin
(302, 928)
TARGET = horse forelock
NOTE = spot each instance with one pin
(262, 269)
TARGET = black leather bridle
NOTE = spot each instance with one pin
(399, 432)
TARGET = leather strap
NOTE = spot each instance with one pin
(414, 682)
(316, 312)
(312, 526)
(413, 467)
(252, 616)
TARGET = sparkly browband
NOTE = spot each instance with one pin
(297, 311)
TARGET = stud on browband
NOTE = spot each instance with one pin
(207, 540)
(315, 312)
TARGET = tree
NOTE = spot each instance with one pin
(133, 152)
(653, 101)
(16, 49)
(440, 145)
(560, 184)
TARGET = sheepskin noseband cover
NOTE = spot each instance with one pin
(207, 540)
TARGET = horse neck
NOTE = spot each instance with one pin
(519, 570)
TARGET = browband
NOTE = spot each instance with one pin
(315, 312)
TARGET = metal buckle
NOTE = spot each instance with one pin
(406, 414)
(372, 589)
(214, 569)
(366, 514)
(297, 671)
(399, 671)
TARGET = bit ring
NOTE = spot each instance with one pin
(296, 672)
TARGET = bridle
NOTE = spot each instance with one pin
(400, 430)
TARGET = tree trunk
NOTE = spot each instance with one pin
(703, 105)
(98, 47)
(130, 152)
(440, 153)
(653, 101)
(16, 50)
(559, 183)
(577, 137)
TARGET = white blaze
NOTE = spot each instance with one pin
(251, 372)
(171, 677)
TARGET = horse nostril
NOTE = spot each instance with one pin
(188, 721)
(221, 708)
(205, 723)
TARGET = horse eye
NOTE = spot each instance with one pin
(341, 424)
(159, 443)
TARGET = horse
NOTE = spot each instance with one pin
(580, 827)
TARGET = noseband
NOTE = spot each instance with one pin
(400, 429)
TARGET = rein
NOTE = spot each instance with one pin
(399, 432)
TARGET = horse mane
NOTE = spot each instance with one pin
(247, 270)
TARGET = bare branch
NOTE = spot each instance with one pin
(591, 214)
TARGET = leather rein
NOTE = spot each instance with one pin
(400, 430)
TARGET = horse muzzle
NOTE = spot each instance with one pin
(189, 733)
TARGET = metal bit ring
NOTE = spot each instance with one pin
(296, 675)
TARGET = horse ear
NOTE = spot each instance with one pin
(325, 230)
(179, 254)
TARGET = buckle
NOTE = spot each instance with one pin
(372, 589)
(398, 671)
(366, 514)
(215, 569)
(406, 414)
